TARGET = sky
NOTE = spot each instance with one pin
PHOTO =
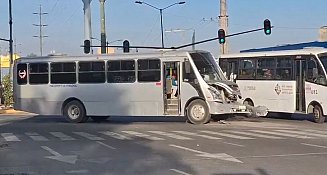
(294, 21)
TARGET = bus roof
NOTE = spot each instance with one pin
(305, 51)
(121, 56)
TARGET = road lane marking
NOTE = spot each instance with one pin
(198, 135)
(319, 146)
(175, 136)
(62, 158)
(103, 144)
(255, 134)
(77, 171)
(304, 133)
(36, 137)
(10, 137)
(146, 136)
(89, 136)
(282, 134)
(233, 144)
(115, 135)
(62, 136)
(228, 135)
(283, 155)
(316, 131)
(179, 171)
(220, 156)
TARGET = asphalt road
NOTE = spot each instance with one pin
(157, 145)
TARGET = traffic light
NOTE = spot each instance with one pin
(221, 36)
(267, 27)
(87, 46)
(126, 46)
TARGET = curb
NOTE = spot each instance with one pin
(13, 112)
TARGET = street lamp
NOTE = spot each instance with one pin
(160, 10)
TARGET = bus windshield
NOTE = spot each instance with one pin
(207, 67)
(323, 59)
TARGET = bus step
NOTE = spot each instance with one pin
(172, 101)
(172, 107)
(172, 112)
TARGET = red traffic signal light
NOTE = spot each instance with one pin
(267, 27)
(221, 36)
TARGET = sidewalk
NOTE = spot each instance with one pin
(11, 111)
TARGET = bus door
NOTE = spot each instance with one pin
(171, 88)
(300, 69)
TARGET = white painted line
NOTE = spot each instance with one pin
(255, 134)
(319, 146)
(316, 131)
(304, 133)
(103, 144)
(198, 135)
(175, 136)
(284, 155)
(77, 171)
(179, 171)
(220, 156)
(89, 136)
(233, 144)
(282, 134)
(115, 135)
(227, 135)
(62, 158)
(62, 136)
(146, 136)
(36, 137)
(10, 137)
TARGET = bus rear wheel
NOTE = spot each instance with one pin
(198, 112)
(318, 115)
(74, 111)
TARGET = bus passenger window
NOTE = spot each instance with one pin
(121, 71)
(247, 69)
(22, 74)
(39, 73)
(315, 73)
(149, 70)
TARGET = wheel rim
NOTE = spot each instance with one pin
(73, 112)
(316, 113)
(198, 112)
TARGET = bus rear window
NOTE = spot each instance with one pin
(22, 74)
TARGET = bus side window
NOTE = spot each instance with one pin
(188, 73)
(247, 69)
(315, 73)
(284, 68)
(22, 73)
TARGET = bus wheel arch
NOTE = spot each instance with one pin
(74, 110)
(197, 111)
(317, 111)
(248, 101)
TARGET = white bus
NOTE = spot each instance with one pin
(100, 86)
(284, 81)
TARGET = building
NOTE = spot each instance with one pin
(4, 61)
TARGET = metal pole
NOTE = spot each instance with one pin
(40, 30)
(10, 39)
(162, 34)
(103, 27)
(87, 21)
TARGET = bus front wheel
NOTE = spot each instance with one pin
(318, 115)
(198, 112)
(74, 111)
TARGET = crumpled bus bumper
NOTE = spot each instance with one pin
(236, 108)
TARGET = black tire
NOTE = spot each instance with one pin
(74, 111)
(198, 112)
(99, 118)
(318, 116)
(248, 102)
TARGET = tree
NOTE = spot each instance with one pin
(7, 91)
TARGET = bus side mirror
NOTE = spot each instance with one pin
(315, 73)
(187, 67)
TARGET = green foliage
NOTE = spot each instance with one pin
(7, 92)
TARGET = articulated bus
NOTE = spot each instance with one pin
(99, 86)
(287, 81)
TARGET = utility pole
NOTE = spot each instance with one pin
(40, 25)
(223, 24)
(87, 21)
(103, 27)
